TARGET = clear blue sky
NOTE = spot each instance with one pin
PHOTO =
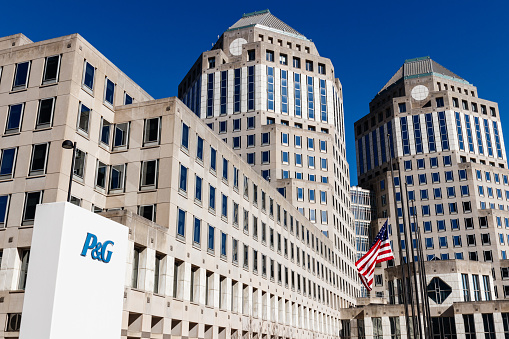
(156, 42)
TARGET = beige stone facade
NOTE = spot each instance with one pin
(266, 91)
(218, 253)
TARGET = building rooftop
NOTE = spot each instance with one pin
(265, 19)
(419, 67)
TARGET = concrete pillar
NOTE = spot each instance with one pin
(460, 326)
(368, 328)
(499, 325)
(386, 328)
(479, 326)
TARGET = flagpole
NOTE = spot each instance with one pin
(408, 257)
(422, 276)
(405, 296)
(418, 287)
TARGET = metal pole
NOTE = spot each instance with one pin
(72, 171)
(422, 275)
(410, 292)
(417, 291)
(405, 299)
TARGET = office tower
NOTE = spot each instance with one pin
(451, 185)
(214, 250)
(361, 211)
(269, 95)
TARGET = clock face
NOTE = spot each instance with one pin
(236, 46)
(420, 92)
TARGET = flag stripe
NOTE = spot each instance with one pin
(379, 252)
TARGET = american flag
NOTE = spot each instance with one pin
(380, 251)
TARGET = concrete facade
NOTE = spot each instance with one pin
(218, 253)
(266, 91)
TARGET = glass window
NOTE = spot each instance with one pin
(14, 118)
(152, 131)
(84, 118)
(185, 136)
(148, 212)
(181, 223)
(51, 70)
(45, 115)
(121, 136)
(7, 161)
(4, 206)
(105, 132)
(198, 189)
(109, 91)
(21, 76)
(210, 238)
(149, 173)
(39, 158)
(88, 76)
(32, 199)
(117, 177)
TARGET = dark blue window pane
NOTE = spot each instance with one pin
(89, 76)
(21, 75)
(3, 207)
(181, 222)
(7, 165)
(110, 91)
(14, 120)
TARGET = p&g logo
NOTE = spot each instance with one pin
(98, 250)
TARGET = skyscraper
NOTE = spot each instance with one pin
(450, 167)
(266, 91)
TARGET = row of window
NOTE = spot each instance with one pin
(233, 248)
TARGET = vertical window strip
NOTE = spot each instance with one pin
(391, 139)
(368, 155)
(497, 140)
(375, 147)
(443, 131)
(236, 90)
(478, 135)
(431, 133)
(250, 88)
(224, 92)
(198, 97)
(270, 88)
(210, 95)
(284, 91)
(488, 137)
(298, 111)
(469, 134)
(360, 152)
(323, 100)
(417, 134)
(404, 135)
(460, 132)
(382, 144)
(311, 103)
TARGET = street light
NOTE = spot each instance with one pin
(68, 144)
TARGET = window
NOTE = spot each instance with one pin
(183, 179)
(88, 77)
(181, 223)
(84, 118)
(14, 118)
(4, 207)
(128, 99)
(250, 122)
(212, 198)
(45, 115)
(149, 174)
(488, 325)
(296, 62)
(117, 176)
(24, 255)
(250, 158)
(213, 160)
(185, 136)
(21, 76)
(39, 159)
(109, 91)
(210, 239)
(32, 199)
(152, 131)
(105, 132)
(309, 65)
(100, 178)
(198, 189)
(148, 212)
(197, 231)
(269, 55)
(7, 161)
(51, 70)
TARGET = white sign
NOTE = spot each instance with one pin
(75, 283)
